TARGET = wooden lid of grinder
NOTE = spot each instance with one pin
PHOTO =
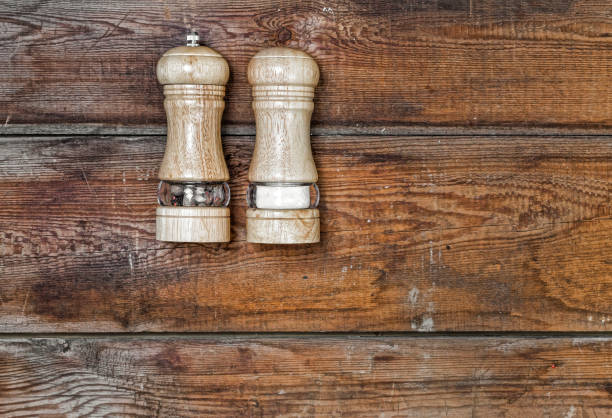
(283, 81)
(192, 65)
(283, 67)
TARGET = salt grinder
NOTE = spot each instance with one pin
(282, 195)
(193, 194)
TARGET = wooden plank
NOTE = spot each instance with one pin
(419, 234)
(289, 376)
(83, 186)
(97, 129)
(482, 62)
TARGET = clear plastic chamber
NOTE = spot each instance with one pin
(283, 195)
(207, 194)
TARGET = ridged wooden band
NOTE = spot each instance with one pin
(194, 90)
(295, 226)
(193, 224)
(288, 92)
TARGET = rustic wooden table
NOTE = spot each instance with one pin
(464, 151)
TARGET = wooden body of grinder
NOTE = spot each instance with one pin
(193, 194)
(282, 194)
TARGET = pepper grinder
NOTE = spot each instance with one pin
(282, 196)
(193, 193)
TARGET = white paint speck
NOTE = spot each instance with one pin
(131, 263)
(344, 269)
(427, 324)
(431, 258)
(85, 178)
(571, 412)
(281, 392)
(414, 295)
(328, 10)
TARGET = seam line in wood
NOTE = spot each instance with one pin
(249, 130)
(323, 335)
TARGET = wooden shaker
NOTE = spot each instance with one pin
(193, 193)
(282, 194)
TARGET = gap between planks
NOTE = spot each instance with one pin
(249, 130)
(356, 335)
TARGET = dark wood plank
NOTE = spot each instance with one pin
(348, 376)
(419, 233)
(492, 278)
(480, 62)
(75, 194)
(228, 129)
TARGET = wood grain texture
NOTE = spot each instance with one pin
(286, 226)
(193, 149)
(480, 62)
(327, 376)
(417, 233)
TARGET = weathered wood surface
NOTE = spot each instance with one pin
(480, 62)
(99, 129)
(348, 376)
(418, 233)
